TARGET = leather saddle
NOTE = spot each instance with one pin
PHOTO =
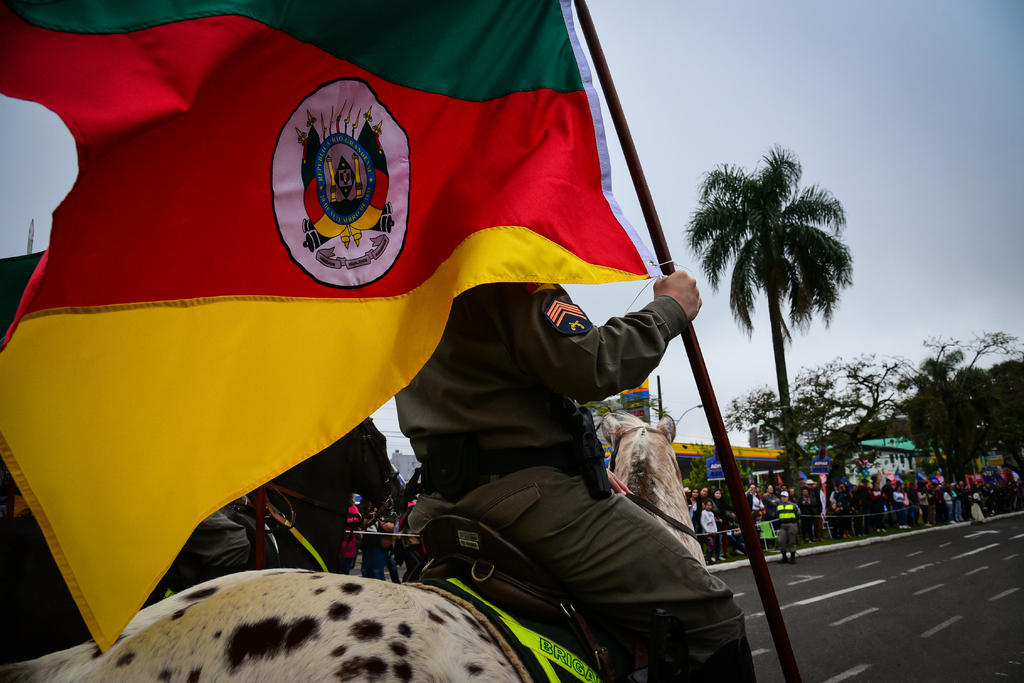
(466, 549)
(512, 581)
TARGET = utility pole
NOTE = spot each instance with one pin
(661, 413)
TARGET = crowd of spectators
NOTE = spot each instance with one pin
(384, 544)
(850, 509)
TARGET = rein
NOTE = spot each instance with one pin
(306, 499)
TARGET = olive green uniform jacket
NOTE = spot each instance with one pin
(493, 373)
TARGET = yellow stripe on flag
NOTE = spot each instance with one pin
(125, 426)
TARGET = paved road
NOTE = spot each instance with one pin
(942, 606)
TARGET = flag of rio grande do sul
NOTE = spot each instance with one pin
(276, 204)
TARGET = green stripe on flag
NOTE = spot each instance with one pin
(475, 50)
(14, 276)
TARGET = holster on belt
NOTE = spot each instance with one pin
(452, 465)
(587, 448)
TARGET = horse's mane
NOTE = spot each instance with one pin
(639, 476)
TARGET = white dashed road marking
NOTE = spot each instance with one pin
(1003, 594)
(916, 569)
(945, 544)
(1017, 536)
(855, 671)
(925, 590)
(975, 571)
(868, 564)
(759, 652)
(971, 552)
(805, 579)
(980, 533)
(840, 592)
(917, 553)
(854, 616)
(1010, 557)
(948, 622)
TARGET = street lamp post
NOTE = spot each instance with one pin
(699, 405)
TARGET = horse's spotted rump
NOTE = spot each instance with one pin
(200, 594)
(380, 633)
(316, 576)
(339, 611)
(319, 591)
(367, 629)
(179, 614)
(351, 588)
(436, 619)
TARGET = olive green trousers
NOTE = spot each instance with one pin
(610, 556)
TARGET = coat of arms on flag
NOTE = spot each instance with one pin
(345, 224)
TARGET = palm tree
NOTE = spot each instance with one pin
(785, 244)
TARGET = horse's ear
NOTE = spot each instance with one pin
(667, 426)
(611, 428)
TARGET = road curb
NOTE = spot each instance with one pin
(739, 564)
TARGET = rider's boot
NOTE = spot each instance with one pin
(732, 662)
(668, 654)
(784, 560)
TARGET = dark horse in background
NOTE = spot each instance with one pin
(39, 615)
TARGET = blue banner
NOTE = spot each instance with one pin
(821, 464)
(715, 469)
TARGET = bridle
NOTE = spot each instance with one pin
(368, 437)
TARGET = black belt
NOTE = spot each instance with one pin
(503, 461)
(508, 460)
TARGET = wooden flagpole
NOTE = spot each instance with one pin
(762, 577)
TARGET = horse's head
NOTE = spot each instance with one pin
(640, 452)
(372, 473)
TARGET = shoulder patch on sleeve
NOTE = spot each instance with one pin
(567, 318)
(534, 287)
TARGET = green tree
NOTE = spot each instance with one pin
(953, 404)
(698, 478)
(785, 244)
(1007, 434)
(836, 405)
(842, 403)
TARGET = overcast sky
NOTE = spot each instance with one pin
(910, 113)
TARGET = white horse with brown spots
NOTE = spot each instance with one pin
(645, 462)
(291, 625)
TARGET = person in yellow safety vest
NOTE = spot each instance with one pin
(787, 512)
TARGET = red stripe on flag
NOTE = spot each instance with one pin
(177, 126)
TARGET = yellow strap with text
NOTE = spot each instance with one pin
(545, 650)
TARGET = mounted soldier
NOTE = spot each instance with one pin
(499, 442)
